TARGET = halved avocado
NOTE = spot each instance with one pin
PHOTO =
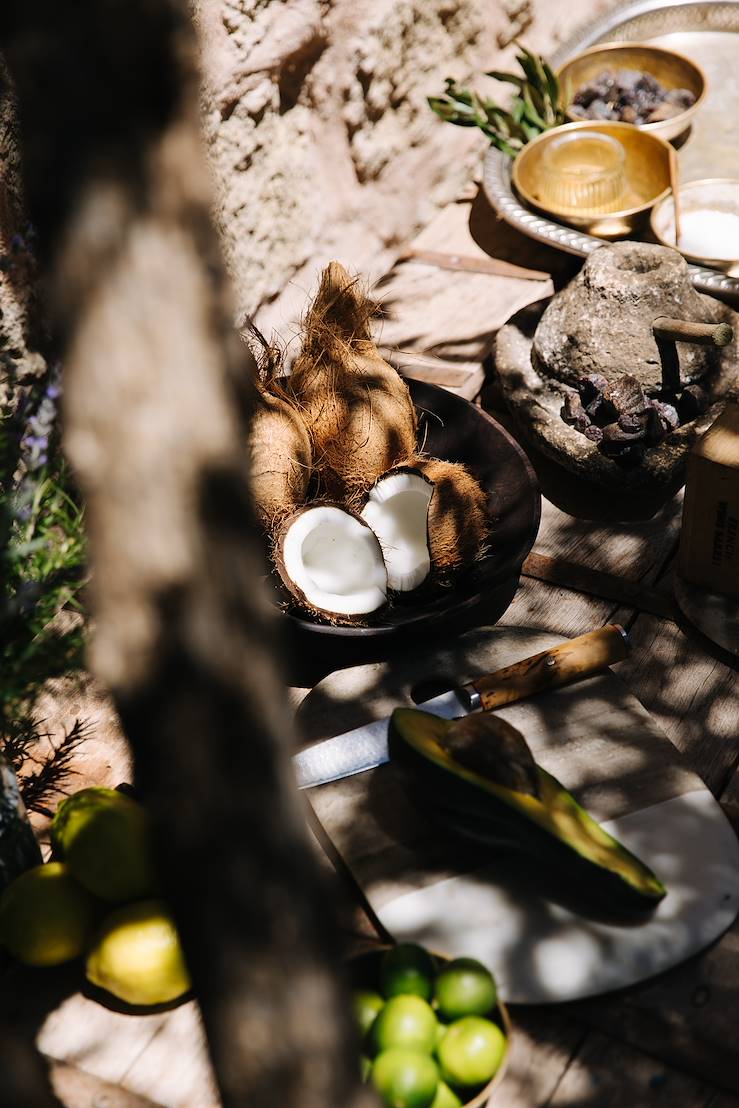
(546, 823)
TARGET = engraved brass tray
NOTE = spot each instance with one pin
(707, 32)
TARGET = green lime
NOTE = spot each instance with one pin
(445, 1098)
(137, 955)
(407, 969)
(465, 987)
(366, 1005)
(46, 918)
(365, 1067)
(104, 837)
(405, 1021)
(471, 1052)
(405, 1078)
(441, 1030)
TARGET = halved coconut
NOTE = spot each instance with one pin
(331, 562)
(397, 510)
(458, 515)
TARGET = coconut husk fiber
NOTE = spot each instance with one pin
(458, 520)
(356, 407)
(279, 443)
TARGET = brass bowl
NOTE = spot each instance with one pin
(364, 972)
(671, 70)
(719, 193)
(647, 178)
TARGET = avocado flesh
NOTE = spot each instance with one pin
(551, 826)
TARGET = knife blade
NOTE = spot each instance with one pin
(366, 747)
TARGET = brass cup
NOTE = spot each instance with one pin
(646, 172)
(671, 69)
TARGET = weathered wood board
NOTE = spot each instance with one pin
(440, 323)
(601, 743)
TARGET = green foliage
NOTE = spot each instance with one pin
(535, 107)
(42, 571)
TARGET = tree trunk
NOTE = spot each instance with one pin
(157, 399)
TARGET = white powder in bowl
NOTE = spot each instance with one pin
(708, 233)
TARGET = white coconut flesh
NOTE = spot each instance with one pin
(397, 511)
(331, 558)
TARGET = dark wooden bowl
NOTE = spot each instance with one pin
(455, 430)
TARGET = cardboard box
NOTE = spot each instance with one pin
(709, 541)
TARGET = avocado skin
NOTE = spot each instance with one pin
(474, 814)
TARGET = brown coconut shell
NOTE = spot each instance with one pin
(278, 533)
(281, 457)
(357, 408)
(458, 519)
(279, 443)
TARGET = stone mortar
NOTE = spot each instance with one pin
(602, 322)
(535, 400)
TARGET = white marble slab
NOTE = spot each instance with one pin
(542, 953)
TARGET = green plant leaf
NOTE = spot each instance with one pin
(534, 109)
(510, 78)
(530, 112)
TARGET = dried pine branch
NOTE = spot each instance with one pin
(52, 770)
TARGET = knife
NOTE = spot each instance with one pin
(366, 747)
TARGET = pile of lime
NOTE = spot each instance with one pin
(97, 898)
(428, 1031)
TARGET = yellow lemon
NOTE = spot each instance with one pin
(46, 917)
(137, 955)
(104, 837)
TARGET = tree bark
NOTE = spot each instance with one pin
(157, 400)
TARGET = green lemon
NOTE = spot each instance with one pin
(465, 987)
(366, 1005)
(407, 969)
(46, 917)
(471, 1052)
(405, 1021)
(405, 1078)
(104, 837)
(445, 1098)
(137, 955)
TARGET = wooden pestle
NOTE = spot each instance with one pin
(668, 331)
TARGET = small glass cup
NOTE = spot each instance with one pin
(585, 173)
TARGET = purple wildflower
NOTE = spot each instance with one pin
(40, 425)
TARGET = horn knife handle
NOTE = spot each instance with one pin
(580, 657)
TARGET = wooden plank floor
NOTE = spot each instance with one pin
(672, 1040)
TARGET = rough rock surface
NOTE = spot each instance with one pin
(602, 321)
(20, 338)
(319, 134)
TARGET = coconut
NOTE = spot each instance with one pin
(358, 410)
(280, 450)
(458, 521)
(279, 443)
(397, 510)
(331, 562)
